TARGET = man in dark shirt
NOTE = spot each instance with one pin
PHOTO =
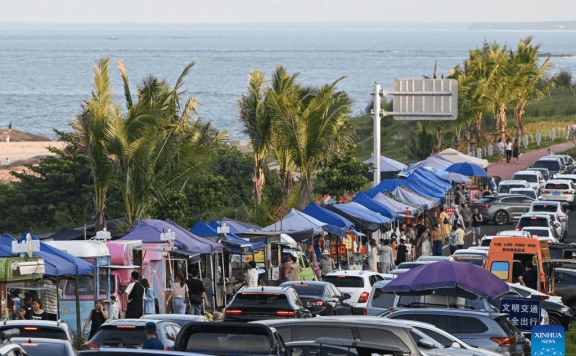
(135, 294)
(152, 343)
(197, 293)
(529, 277)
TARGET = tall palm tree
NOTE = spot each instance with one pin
(92, 125)
(257, 122)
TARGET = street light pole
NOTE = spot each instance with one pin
(376, 116)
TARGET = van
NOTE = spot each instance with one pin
(507, 259)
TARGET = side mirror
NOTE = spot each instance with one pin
(296, 352)
(346, 296)
(455, 345)
(556, 224)
(427, 344)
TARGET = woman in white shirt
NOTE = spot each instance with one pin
(252, 275)
(179, 293)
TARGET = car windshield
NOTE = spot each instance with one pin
(533, 221)
(538, 232)
(382, 299)
(34, 331)
(478, 261)
(409, 265)
(260, 299)
(42, 349)
(505, 188)
(117, 335)
(556, 186)
(306, 289)
(532, 178)
(486, 242)
(545, 208)
(345, 281)
(553, 166)
(437, 300)
(229, 343)
(526, 192)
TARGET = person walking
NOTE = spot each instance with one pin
(114, 309)
(453, 240)
(424, 242)
(500, 146)
(437, 240)
(476, 221)
(135, 297)
(461, 236)
(97, 317)
(373, 256)
(251, 277)
(179, 295)
(327, 264)
(459, 197)
(515, 153)
(152, 342)
(197, 293)
(149, 307)
(401, 252)
(466, 216)
(51, 299)
(574, 132)
(386, 256)
(294, 270)
(444, 220)
(456, 218)
(508, 150)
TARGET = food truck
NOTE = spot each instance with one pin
(19, 273)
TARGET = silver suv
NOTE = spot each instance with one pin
(487, 330)
(506, 185)
(561, 190)
(553, 164)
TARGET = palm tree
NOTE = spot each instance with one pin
(92, 125)
(257, 122)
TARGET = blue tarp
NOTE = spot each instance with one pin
(373, 205)
(206, 245)
(211, 229)
(328, 217)
(410, 197)
(417, 187)
(387, 164)
(363, 213)
(443, 184)
(435, 161)
(394, 205)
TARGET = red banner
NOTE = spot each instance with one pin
(333, 251)
(342, 250)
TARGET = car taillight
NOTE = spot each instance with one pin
(166, 348)
(502, 341)
(29, 344)
(30, 328)
(363, 297)
(319, 303)
(568, 192)
(286, 313)
(365, 311)
(549, 241)
(233, 311)
(544, 191)
(518, 228)
(91, 346)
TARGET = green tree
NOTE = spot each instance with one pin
(421, 144)
(342, 173)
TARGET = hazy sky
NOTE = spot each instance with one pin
(238, 11)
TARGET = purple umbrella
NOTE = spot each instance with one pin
(454, 278)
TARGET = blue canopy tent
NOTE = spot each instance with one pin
(388, 164)
(373, 205)
(439, 182)
(296, 220)
(207, 230)
(413, 198)
(435, 161)
(232, 238)
(418, 187)
(363, 218)
(330, 218)
(394, 205)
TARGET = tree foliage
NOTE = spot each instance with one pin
(342, 173)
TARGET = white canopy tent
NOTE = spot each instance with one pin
(457, 157)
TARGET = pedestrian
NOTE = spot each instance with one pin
(21, 315)
(179, 295)
(574, 132)
(294, 270)
(466, 216)
(508, 150)
(515, 153)
(37, 313)
(444, 220)
(287, 263)
(50, 299)
(476, 220)
(453, 240)
(459, 198)
(456, 218)
(424, 243)
(461, 236)
(410, 249)
(326, 264)
(500, 146)
(149, 299)
(135, 296)
(152, 342)
(437, 240)
(251, 276)
(386, 256)
(114, 309)
(197, 293)
(529, 278)
(401, 252)
(373, 256)
(550, 153)
(27, 303)
(97, 317)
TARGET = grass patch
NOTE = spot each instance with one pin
(560, 101)
(570, 343)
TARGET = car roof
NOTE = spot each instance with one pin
(524, 189)
(310, 283)
(526, 172)
(330, 320)
(547, 158)
(43, 323)
(447, 311)
(571, 176)
(566, 181)
(504, 195)
(546, 202)
(535, 228)
(538, 214)
(136, 322)
(351, 273)
(159, 317)
(39, 340)
(382, 283)
(564, 270)
(513, 181)
(263, 289)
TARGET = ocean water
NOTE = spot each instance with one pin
(46, 73)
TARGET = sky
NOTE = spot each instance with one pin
(272, 11)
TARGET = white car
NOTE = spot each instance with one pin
(549, 207)
(528, 292)
(480, 252)
(527, 192)
(505, 185)
(571, 177)
(541, 233)
(513, 233)
(356, 283)
(533, 178)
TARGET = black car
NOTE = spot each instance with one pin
(118, 333)
(321, 298)
(44, 347)
(224, 339)
(41, 329)
(566, 287)
(259, 303)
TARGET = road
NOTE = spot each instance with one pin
(492, 229)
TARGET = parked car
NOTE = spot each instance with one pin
(571, 177)
(513, 233)
(551, 163)
(544, 171)
(44, 347)
(469, 251)
(542, 233)
(502, 208)
(379, 301)
(368, 329)
(321, 298)
(478, 260)
(407, 266)
(258, 303)
(134, 352)
(488, 330)
(534, 179)
(537, 220)
(8, 348)
(357, 284)
(550, 207)
(432, 258)
(569, 163)
(180, 319)
(565, 279)
(331, 346)
(560, 226)
(130, 333)
(561, 190)
(41, 329)
(230, 339)
(505, 186)
(527, 192)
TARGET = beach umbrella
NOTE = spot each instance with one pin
(459, 279)
(467, 169)
(457, 178)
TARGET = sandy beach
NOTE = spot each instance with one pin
(14, 154)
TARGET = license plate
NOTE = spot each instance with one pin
(556, 193)
(518, 347)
